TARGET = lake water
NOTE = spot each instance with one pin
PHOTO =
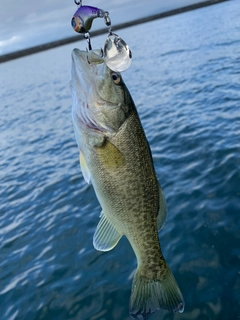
(185, 80)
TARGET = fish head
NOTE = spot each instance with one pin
(100, 97)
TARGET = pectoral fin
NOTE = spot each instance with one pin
(162, 213)
(85, 171)
(111, 157)
(106, 235)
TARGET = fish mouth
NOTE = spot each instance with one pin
(87, 63)
(87, 67)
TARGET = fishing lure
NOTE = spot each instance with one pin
(116, 53)
(84, 16)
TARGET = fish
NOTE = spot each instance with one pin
(115, 157)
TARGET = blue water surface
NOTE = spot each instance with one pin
(185, 80)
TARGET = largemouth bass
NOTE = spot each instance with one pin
(116, 158)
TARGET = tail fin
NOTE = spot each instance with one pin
(148, 295)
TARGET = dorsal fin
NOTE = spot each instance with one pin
(106, 235)
(162, 213)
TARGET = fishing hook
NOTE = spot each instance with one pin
(78, 3)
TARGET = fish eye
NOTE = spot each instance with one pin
(116, 78)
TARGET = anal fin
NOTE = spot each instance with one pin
(106, 235)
